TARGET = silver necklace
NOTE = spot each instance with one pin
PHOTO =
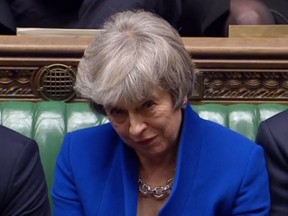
(158, 192)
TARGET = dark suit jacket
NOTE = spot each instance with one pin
(273, 136)
(189, 17)
(38, 13)
(7, 22)
(23, 189)
(279, 9)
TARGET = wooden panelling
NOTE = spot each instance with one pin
(256, 31)
(231, 69)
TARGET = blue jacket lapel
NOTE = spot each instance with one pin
(187, 163)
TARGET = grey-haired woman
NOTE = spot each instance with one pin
(156, 156)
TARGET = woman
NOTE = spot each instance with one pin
(156, 156)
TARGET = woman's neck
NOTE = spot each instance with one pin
(155, 171)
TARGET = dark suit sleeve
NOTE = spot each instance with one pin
(27, 189)
(274, 139)
(7, 22)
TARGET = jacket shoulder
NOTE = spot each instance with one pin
(279, 119)
(102, 138)
(102, 133)
(13, 138)
(227, 135)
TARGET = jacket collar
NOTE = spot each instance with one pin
(187, 164)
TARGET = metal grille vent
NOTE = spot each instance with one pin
(56, 82)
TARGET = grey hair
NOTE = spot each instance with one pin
(136, 52)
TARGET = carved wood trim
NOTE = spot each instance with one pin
(245, 84)
(231, 69)
(15, 82)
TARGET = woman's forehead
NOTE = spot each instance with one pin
(155, 94)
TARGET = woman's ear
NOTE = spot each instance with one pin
(184, 103)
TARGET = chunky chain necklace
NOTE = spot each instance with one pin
(159, 192)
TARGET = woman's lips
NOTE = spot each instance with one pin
(145, 141)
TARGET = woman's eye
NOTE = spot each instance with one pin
(117, 115)
(148, 104)
(116, 111)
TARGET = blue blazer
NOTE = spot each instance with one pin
(219, 172)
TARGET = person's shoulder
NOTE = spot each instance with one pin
(96, 144)
(15, 147)
(92, 137)
(104, 130)
(228, 138)
(227, 145)
(13, 137)
(276, 126)
(277, 119)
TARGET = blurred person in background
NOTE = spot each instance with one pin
(190, 18)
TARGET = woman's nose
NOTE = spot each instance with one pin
(137, 125)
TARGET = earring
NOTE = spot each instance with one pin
(183, 105)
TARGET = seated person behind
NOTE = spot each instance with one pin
(23, 188)
(190, 18)
(249, 12)
(37, 13)
(273, 137)
(156, 156)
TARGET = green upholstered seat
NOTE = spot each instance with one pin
(47, 122)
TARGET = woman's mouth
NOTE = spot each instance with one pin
(145, 141)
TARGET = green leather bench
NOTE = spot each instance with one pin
(47, 122)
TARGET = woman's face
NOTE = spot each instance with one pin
(151, 127)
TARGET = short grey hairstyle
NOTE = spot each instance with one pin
(136, 52)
